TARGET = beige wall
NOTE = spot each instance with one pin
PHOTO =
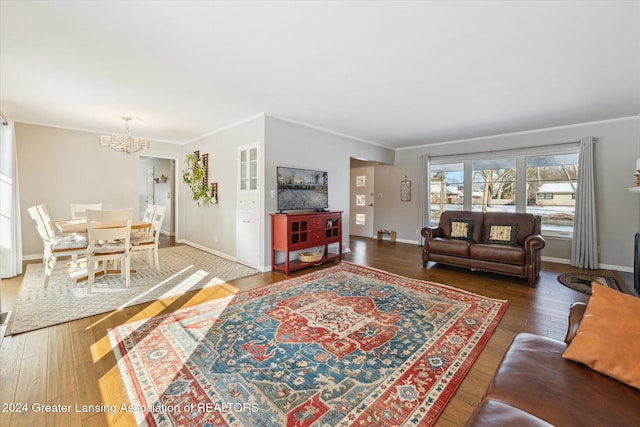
(214, 227)
(57, 167)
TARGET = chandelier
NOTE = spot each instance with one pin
(124, 143)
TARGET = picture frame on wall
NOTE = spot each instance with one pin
(405, 190)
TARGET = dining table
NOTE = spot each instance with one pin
(79, 226)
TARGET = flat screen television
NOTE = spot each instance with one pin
(302, 189)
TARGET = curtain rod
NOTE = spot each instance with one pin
(4, 122)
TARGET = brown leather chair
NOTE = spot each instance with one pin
(535, 386)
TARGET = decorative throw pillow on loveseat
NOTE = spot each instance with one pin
(502, 234)
(608, 338)
(461, 228)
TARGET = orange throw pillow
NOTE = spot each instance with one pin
(608, 338)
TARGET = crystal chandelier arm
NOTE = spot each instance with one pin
(124, 143)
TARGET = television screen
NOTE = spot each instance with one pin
(302, 189)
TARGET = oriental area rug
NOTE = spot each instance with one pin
(182, 268)
(344, 346)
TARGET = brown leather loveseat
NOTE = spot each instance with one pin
(498, 242)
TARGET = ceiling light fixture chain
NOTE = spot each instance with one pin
(126, 143)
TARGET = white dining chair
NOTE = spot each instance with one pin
(148, 213)
(108, 244)
(79, 210)
(55, 246)
(148, 241)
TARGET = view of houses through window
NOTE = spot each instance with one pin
(551, 189)
(547, 187)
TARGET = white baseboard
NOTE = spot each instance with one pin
(209, 250)
(616, 267)
(556, 260)
(412, 242)
(260, 268)
(602, 266)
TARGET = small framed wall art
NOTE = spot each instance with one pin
(405, 190)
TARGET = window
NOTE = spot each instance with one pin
(540, 180)
(447, 189)
(551, 190)
(494, 185)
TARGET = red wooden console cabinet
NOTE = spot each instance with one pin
(303, 230)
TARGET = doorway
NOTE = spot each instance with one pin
(157, 185)
(362, 198)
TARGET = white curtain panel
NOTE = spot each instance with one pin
(425, 194)
(584, 246)
(10, 229)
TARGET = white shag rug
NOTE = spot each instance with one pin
(182, 269)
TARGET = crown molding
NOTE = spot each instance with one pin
(226, 127)
(322, 129)
(526, 132)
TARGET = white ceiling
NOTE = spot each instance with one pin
(397, 74)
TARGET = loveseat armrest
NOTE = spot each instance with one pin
(534, 242)
(431, 232)
(533, 245)
(576, 313)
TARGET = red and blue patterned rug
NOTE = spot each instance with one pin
(344, 346)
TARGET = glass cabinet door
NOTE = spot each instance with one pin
(249, 169)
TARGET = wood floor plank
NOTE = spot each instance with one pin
(64, 418)
(10, 357)
(32, 388)
(89, 393)
(61, 375)
(73, 363)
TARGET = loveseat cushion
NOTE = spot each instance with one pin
(474, 218)
(534, 377)
(608, 338)
(461, 228)
(459, 248)
(502, 234)
(526, 223)
(498, 253)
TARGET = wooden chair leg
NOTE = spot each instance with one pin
(91, 274)
(127, 270)
(49, 265)
(157, 259)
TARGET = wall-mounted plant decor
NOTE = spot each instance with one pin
(196, 176)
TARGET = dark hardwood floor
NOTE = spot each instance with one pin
(73, 363)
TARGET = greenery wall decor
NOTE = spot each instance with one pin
(196, 176)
